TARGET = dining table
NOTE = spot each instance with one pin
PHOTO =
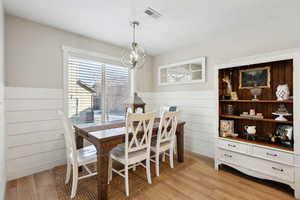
(106, 136)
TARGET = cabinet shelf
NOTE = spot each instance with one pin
(255, 119)
(258, 101)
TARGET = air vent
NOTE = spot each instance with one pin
(152, 13)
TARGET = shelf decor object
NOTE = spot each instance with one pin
(256, 91)
(191, 71)
(252, 116)
(227, 128)
(272, 149)
(282, 92)
(281, 112)
(250, 132)
(228, 90)
(281, 116)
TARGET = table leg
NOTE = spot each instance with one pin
(180, 144)
(103, 153)
(102, 168)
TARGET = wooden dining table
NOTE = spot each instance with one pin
(106, 136)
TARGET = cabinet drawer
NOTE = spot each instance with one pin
(278, 170)
(233, 146)
(274, 169)
(233, 158)
(278, 156)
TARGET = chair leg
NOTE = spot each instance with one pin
(171, 157)
(109, 170)
(175, 146)
(75, 181)
(126, 181)
(164, 157)
(68, 173)
(157, 163)
(134, 167)
(148, 169)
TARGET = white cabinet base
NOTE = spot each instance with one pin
(255, 160)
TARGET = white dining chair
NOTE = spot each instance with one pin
(163, 109)
(165, 139)
(136, 147)
(76, 157)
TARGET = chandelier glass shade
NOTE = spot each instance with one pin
(135, 57)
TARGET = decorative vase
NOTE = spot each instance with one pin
(282, 92)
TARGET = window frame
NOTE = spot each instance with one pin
(85, 54)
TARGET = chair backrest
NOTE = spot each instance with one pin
(167, 126)
(163, 109)
(129, 110)
(138, 131)
(139, 110)
(69, 136)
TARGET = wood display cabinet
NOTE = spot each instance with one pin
(260, 156)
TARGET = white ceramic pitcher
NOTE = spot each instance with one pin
(251, 130)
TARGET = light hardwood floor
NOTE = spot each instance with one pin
(197, 181)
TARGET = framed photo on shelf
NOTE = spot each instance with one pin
(255, 77)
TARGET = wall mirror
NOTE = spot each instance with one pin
(191, 71)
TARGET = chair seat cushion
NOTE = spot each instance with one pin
(87, 154)
(118, 153)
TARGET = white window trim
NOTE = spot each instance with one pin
(67, 51)
(200, 59)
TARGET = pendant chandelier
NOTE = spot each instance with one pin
(135, 57)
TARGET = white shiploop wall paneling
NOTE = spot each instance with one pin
(197, 109)
(34, 133)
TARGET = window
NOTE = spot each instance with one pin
(96, 91)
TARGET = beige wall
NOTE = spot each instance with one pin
(221, 48)
(34, 50)
(34, 55)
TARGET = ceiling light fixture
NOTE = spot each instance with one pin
(135, 57)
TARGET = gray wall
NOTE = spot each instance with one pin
(34, 55)
(2, 132)
(220, 48)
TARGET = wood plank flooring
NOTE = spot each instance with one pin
(198, 181)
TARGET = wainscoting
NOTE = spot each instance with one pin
(198, 109)
(35, 137)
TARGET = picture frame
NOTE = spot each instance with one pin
(255, 77)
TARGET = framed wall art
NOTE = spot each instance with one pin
(255, 77)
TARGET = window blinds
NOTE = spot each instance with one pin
(96, 91)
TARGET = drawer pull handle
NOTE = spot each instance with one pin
(271, 154)
(231, 145)
(277, 169)
(227, 155)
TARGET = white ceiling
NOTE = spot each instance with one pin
(184, 22)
